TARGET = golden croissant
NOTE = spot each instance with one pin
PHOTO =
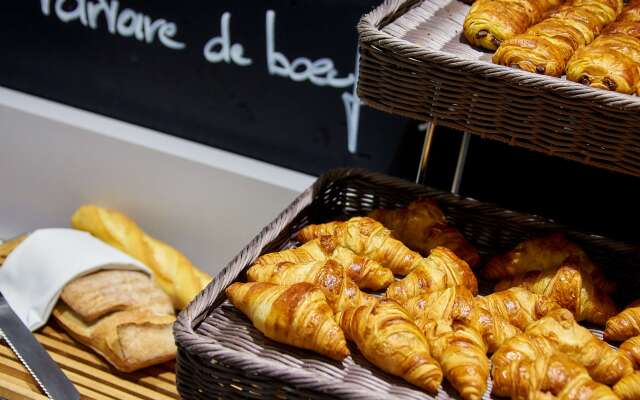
(612, 61)
(571, 288)
(297, 315)
(442, 269)
(422, 227)
(387, 337)
(631, 347)
(543, 254)
(446, 317)
(604, 363)
(329, 276)
(366, 273)
(368, 238)
(517, 305)
(173, 272)
(546, 47)
(629, 387)
(527, 367)
(490, 22)
(495, 329)
(624, 325)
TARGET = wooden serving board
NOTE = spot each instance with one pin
(94, 378)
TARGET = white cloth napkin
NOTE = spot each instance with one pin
(36, 271)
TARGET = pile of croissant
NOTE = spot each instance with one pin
(593, 42)
(430, 323)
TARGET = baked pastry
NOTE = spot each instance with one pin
(442, 269)
(422, 227)
(543, 254)
(517, 305)
(604, 363)
(121, 315)
(629, 387)
(489, 22)
(329, 276)
(100, 293)
(366, 273)
(173, 272)
(527, 367)
(387, 337)
(624, 325)
(495, 329)
(368, 238)
(612, 61)
(631, 347)
(502, 315)
(546, 47)
(297, 315)
(571, 288)
(447, 319)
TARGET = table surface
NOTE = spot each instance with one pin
(93, 376)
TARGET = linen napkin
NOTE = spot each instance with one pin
(37, 270)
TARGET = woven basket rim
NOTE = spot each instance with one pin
(370, 33)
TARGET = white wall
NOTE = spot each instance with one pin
(208, 203)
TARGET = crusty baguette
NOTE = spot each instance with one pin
(103, 292)
(174, 273)
(122, 315)
(129, 340)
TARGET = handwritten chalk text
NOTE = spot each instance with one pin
(125, 22)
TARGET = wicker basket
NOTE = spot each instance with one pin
(220, 354)
(415, 62)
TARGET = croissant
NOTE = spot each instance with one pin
(612, 61)
(173, 272)
(495, 329)
(423, 227)
(629, 387)
(518, 306)
(366, 273)
(296, 315)
(368, 238)
(624, 325)
(571, 288)
(542, 254)
(546, 47)
(446, 318)
(462, 355)
(604, 363)
(440, 270)
(490, 22)
(390, 340)
(631, 347)
(527, 367)
(329, 276)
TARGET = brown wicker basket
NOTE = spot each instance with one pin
(220, 354)
(415, 62)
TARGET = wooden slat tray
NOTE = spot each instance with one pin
(93, 376)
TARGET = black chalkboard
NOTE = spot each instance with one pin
(183, 68)
(273, 80)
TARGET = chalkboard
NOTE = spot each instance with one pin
(273, 80)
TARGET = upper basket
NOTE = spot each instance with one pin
(414, 61)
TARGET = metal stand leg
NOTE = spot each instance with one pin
(462, 158)
(426, 147)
